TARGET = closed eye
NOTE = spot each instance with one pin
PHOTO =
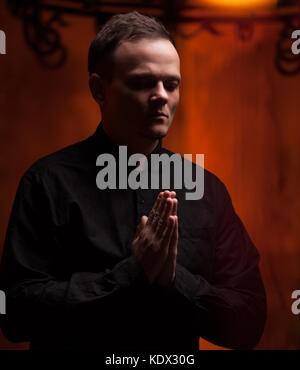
(141, 83)
(171, 86)
(144, 82)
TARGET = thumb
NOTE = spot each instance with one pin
(142, 224)
(138, 232)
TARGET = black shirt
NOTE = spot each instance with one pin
(72, 283)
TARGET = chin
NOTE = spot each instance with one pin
(158, 131)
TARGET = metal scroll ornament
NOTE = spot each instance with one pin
(41, 31)
(287, 62)
(42, 21)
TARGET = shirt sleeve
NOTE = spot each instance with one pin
(37, 299)
(229, 310)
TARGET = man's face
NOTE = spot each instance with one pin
(141, 98)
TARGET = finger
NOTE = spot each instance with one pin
(154, 208)
(138, 232)
(168, 205)
(174, 239)
(164, 217)
(140, 228)
(158, 209)
(157, 217)
(167, 193)
(141, 225)
(174, 207)
(168, 232)
(167, 275)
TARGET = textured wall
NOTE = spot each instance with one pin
(235, 108)
(238, 110)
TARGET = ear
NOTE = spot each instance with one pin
(97, 88)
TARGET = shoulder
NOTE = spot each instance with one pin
(59, 161)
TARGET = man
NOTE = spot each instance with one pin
(126, 268)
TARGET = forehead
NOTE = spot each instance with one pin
(155, 56)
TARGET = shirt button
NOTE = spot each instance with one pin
(142, 201)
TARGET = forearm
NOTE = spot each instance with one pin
(35, 304)
(224, 315)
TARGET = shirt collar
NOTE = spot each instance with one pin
(107, 145)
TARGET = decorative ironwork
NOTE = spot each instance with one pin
(42, 20)
(286, 62)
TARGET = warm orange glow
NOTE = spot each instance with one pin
(234, 107)
(239, 3)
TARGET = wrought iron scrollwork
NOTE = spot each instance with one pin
(287, 62)
(42, 20)
(41, 32)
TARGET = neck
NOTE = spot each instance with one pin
(141, 145)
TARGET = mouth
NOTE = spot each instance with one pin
(159, 115)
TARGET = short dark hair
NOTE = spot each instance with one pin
(123, 27)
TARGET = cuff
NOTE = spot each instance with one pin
(129, 273)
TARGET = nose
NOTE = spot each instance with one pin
(159, 93)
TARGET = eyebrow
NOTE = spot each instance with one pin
(150, 75)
